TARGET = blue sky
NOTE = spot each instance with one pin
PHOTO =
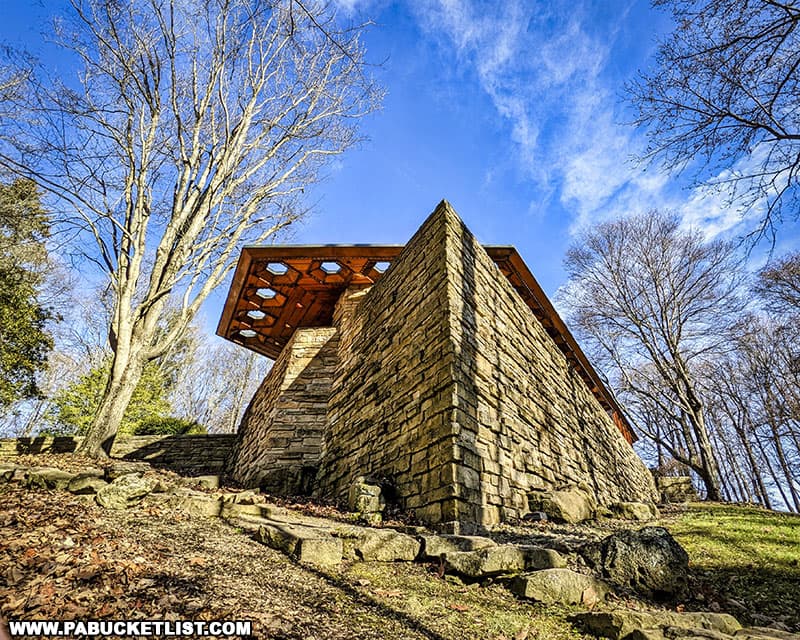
(513, 111)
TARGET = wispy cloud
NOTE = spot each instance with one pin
(547, 72)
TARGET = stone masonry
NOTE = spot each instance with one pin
(439, 383)
(280, 437)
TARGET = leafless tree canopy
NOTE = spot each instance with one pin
(779, 284)
(723, 99)
(193, 127)
(654, 302)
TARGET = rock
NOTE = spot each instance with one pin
(48, 478)
(634, 511)
(234, 510)
(118, 469)
(676, 489)
(571, 504)
(206, 482)
(691, 633)
(434, 546)
(552, 586)
(244, 497)
(304, 543)
(621, 623)
(86, 483)
(535, 516)
(646, 634)
(502, 559)
(196, 503)
(365, 498)
(385, 545)
(125, 491)
(7, 472)
(649, 562)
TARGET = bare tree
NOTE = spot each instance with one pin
(778, 285)
(653, 302)
(216, 380)
(195, 127)
(722, 99)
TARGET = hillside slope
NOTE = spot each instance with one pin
(62, 556)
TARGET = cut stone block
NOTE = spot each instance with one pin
(385, 545)
(552, 586)
(304, 543)
(434, 546)
(502, 559)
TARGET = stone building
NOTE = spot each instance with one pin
(439, 369)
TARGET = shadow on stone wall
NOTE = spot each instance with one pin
(184, 453)
(45, 444)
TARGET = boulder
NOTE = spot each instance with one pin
(125, 491)
(621, 623)
(434, 546)
(563, 586)
(649, 562)
(86, 483)
(641, 511)
(502, 559)
(571, 504)
(385, 545)
(48, 478)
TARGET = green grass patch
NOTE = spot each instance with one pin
(745, 559)
(445, 608)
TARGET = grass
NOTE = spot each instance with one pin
(447, 608)
(745, 560)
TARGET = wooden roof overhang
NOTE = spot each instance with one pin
(277, 289)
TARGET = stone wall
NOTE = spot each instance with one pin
(390, 410)
(192, 454)
(525, 419)
(280, 436)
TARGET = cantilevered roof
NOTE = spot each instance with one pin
(277, 289)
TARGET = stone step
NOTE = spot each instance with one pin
(502, 559)
(309, 545)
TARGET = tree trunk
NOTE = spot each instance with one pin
(708, 471)
(125, 375)
(757, 479)
(774, 475)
